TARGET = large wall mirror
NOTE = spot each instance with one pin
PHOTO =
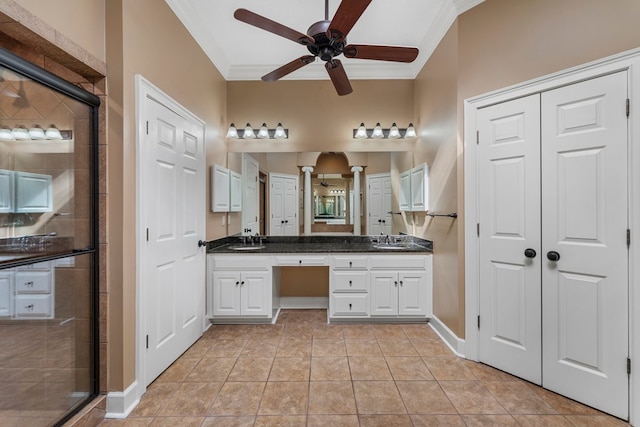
(332, 187)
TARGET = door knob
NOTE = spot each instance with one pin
(530, 253)
(202, 243)
(553, 256)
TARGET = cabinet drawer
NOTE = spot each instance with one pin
(32, 281)
(350, 262)
(239, 262)
(302, 260)
(346, 281)
(46, 265)
(350, 304)
(398, 262)
(30, 306)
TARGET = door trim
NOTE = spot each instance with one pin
(144, 89)
(629, 61)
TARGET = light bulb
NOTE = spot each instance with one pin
(280, 132)
(377, 132)
(361, 133)
(394, 132)
(411, 132)
(6, 134)
(36, 132)
(232, 133)
(53, 132)
(248, 132)
(263, 133)
(20, 133)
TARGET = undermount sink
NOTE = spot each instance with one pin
(247, 248)
(391, 247)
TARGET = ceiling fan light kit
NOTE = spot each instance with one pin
(326, 40)
(378, 132)
(279, 132)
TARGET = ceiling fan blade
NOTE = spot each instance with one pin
(345, 18)
(338, 77)
(288, 68)
(267, 24)
(381, 53)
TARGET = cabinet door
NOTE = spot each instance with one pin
(384, 294)
(413, 293)
(6, 191)
(405, 191)
(5, 293)
(219, 189)
(255, 293)
(226, 293)
(235, 192)
(420, 188)
(33, 192)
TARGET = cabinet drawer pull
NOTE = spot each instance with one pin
(29, 307)
(300, 262)
(350, 305)
(29, 283)
(350, 264)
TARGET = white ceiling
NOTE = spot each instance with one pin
(242, 52)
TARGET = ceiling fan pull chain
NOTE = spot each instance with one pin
(326, 10)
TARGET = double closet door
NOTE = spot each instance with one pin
(553, 248)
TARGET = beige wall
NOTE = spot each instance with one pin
(496, 44)
(83, 21)
(146, 38)
(317, 118)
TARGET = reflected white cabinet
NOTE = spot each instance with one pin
(414, 189)
(219, 189)
(420, 188)
(6, 286)
(405, 191)
(28, 292)
(235, 191)
(7, 188)
(33, 192)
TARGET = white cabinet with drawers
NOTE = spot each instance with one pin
(28, 292)
(349, 286)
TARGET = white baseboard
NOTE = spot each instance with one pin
(121, 403)
(304, 302)
(450, 339)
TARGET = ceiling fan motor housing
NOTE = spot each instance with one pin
(324, 47)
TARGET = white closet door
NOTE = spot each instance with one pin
(276, 206)
(290, 208)
(509, 218)
(584, 205)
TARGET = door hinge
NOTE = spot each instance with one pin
(628, 237)
(628, 366)
(478, 229)
(478, 322)
(478, 137)
(628, 106)
(147, 341)
(147, 127)
(147, 234)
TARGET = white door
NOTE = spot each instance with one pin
(283, 205)
(509, 218)
(584, 205)
(250, 200)
(173, 194)
(379, 204)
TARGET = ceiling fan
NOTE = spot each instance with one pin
(324, 183)
(326, 40)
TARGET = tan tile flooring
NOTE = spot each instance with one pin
(303, 372)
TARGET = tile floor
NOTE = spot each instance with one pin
(303, 372)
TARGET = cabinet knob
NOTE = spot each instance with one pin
(237, 283)
(395, 283)
(530, 253)
(30, 284)
(242, 283)
(349, 306)
(350, 264)
(400, 282)
(350, 283)
(300, 262)
(553, 256)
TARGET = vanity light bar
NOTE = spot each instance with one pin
(264, 132)
(35, 133)
(378, 132)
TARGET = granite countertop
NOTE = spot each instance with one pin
(321, 244)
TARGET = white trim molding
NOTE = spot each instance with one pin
(457, 345)
(629, 61)
(121, 403)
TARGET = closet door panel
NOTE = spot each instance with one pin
(584, 217)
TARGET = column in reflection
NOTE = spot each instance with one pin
(356, 200)
(308, 217)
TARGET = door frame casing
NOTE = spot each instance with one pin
(629, 61)
(147, 90)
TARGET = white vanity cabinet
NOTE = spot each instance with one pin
(239, 287)
(7, 188)
(401, 286)
(28, 292)
(349, 286)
